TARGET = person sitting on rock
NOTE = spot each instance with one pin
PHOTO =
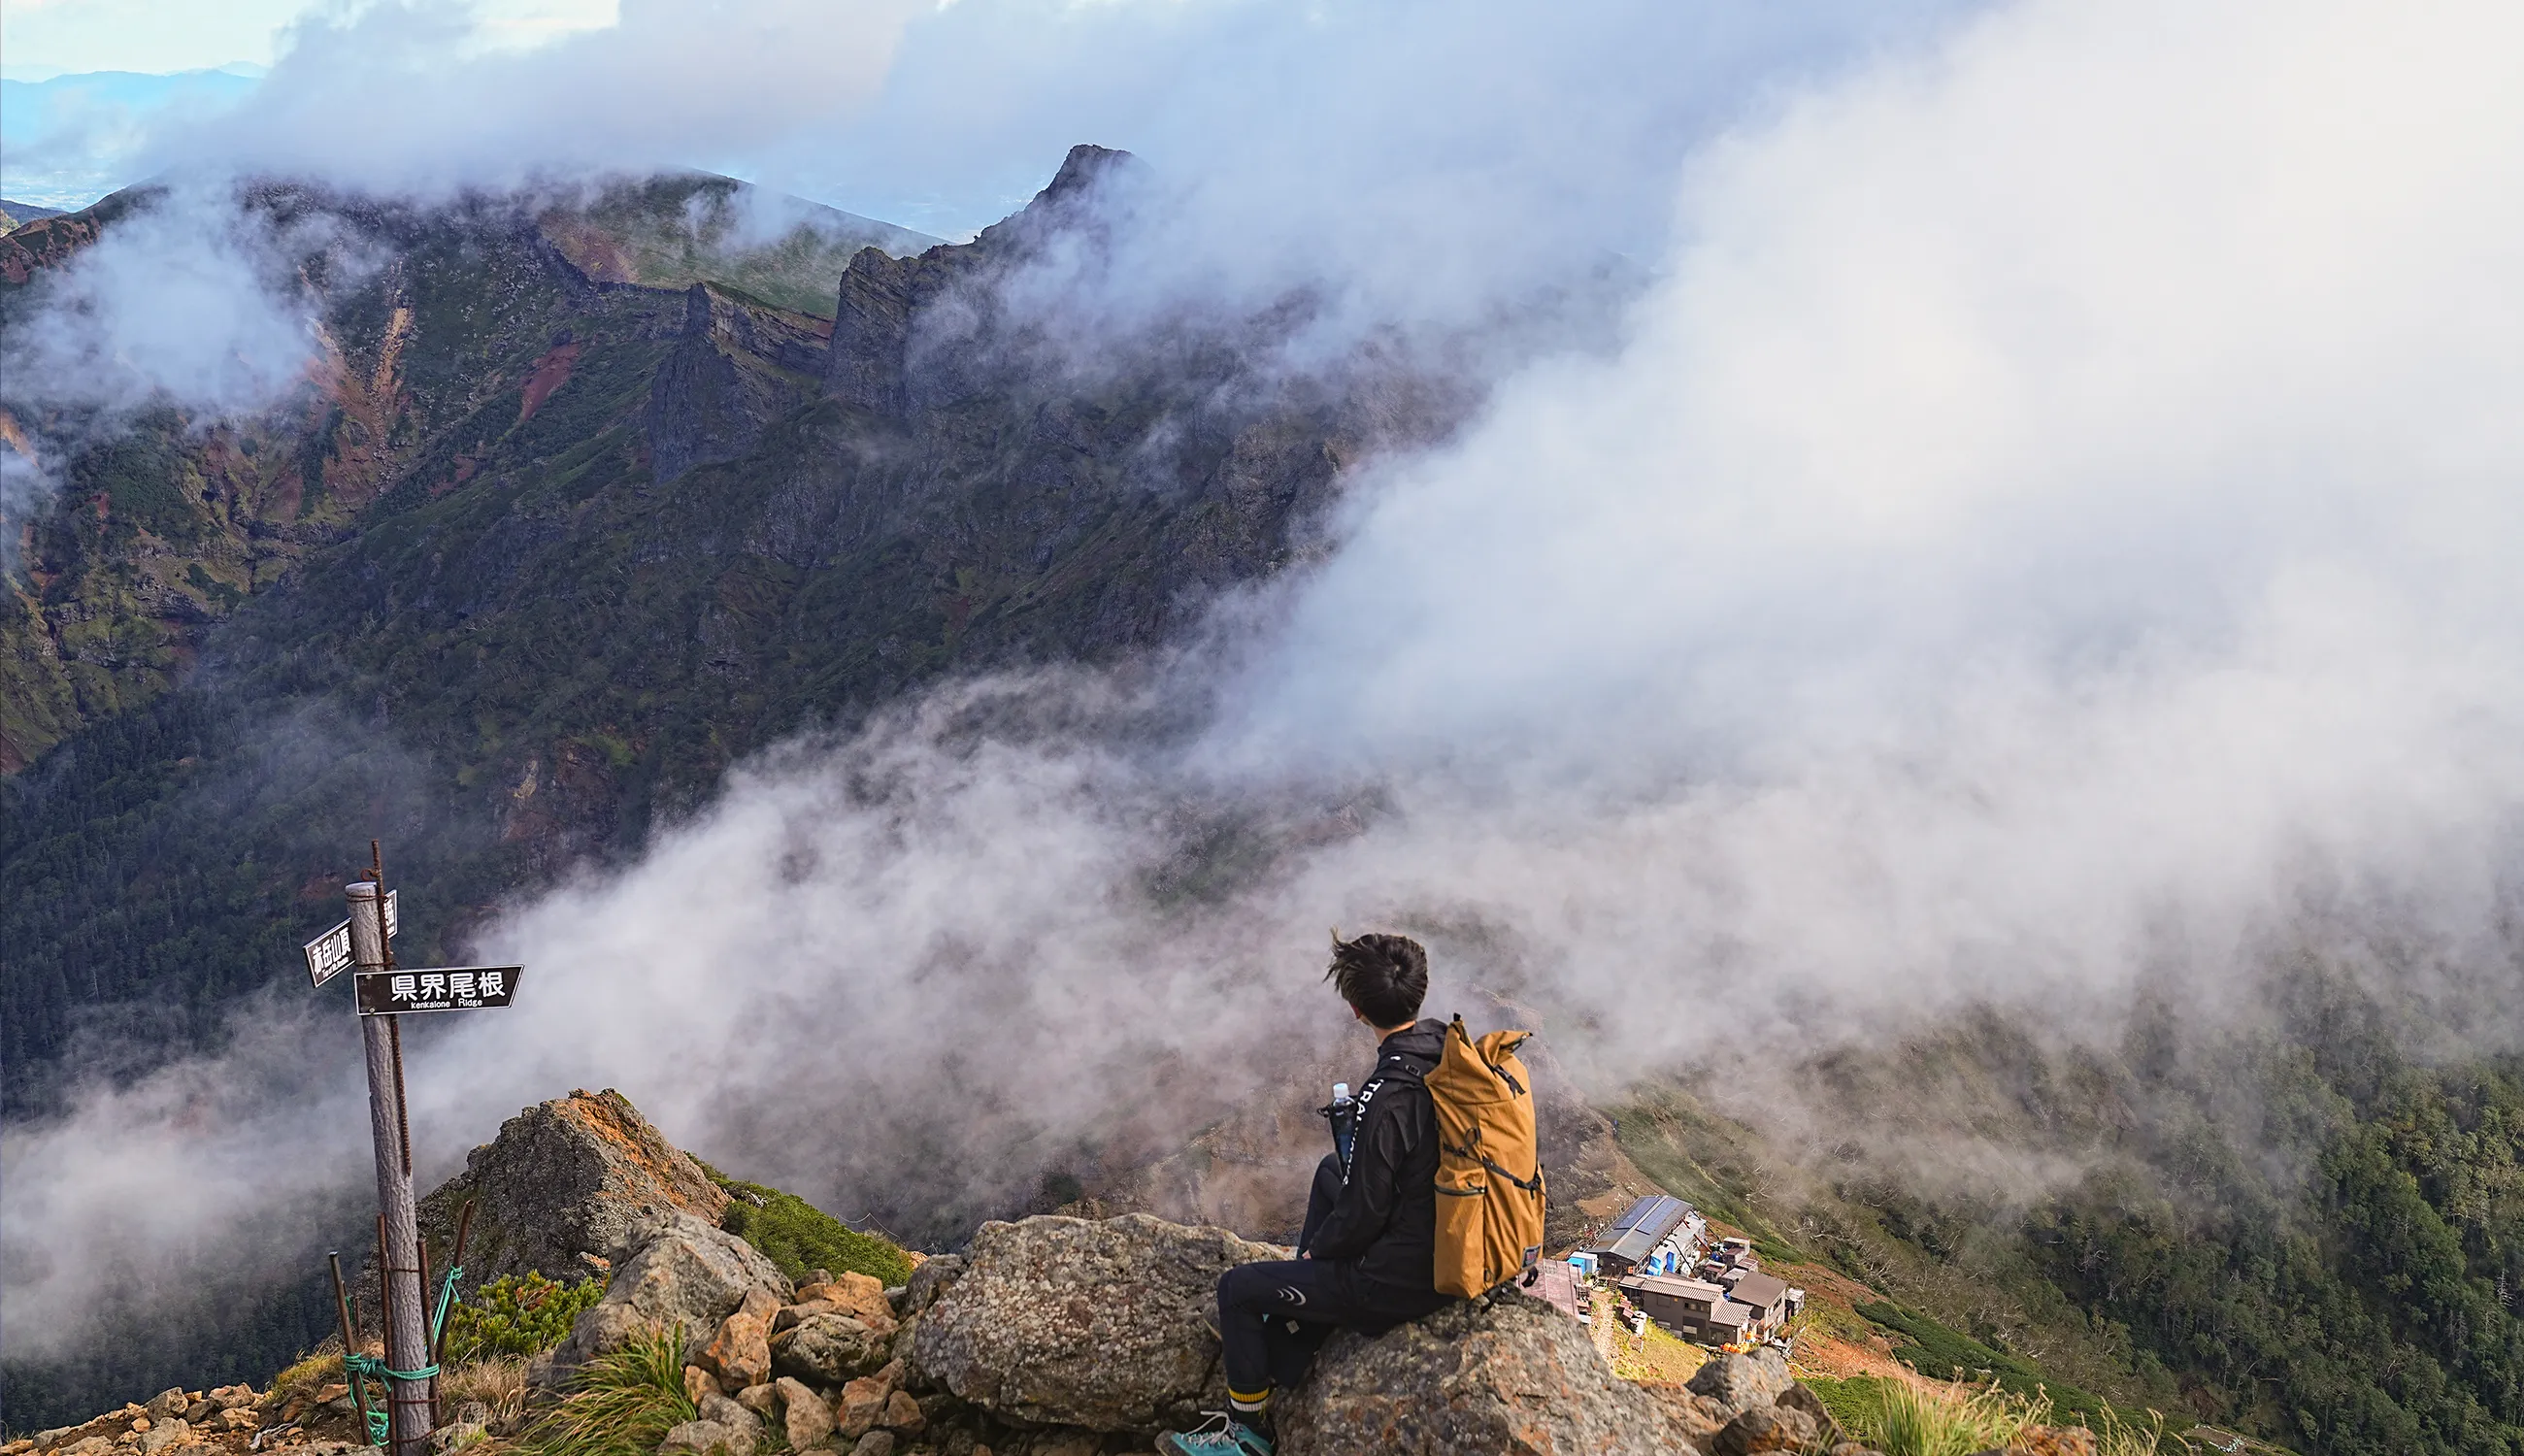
(1366, 1256)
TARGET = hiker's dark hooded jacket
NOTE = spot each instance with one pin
(1385, 1223)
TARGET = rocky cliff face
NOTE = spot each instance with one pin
(738, 368)
(564, 1188)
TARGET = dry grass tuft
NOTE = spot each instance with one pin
(1902, 1419)
(498, 1382)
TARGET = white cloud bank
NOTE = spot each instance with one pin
(2050, 534)
(189, 302)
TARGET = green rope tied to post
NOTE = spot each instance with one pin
(364, 1368)
(446, 1302)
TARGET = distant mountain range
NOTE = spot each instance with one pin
(15, 215)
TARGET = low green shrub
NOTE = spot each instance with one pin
(517, 1315)
(1944, 1354)
(1776, 1251)
(797, 1236)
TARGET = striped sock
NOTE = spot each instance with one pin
(1249, 1408)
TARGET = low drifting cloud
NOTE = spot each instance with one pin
(190, 303)
(2046, 539)
(1421, 160)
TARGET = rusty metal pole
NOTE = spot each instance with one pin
(350, 1342)
(406, 1319)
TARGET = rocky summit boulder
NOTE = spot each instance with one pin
(830, 1349)
(564, 1188)
(1499, 1375)
(1101, 1324)
(1741, 1383)
(682, 1271)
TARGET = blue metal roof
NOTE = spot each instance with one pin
(1639, 1230)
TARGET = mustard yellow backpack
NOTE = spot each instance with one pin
(1489, 1165)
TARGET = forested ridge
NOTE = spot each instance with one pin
(2358, 1301)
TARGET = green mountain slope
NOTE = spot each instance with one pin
(544, 555)
(676, 230)
(2297, 1233)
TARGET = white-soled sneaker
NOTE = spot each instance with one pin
(1223, 1435)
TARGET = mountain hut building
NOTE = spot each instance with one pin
(1658, 1235)
(1747, 1309)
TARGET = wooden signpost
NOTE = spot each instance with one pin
(363, 944)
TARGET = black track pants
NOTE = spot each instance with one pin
(1272, 1316)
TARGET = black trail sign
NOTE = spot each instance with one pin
(329, 955)
(392, 993)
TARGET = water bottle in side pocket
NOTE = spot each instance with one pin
(1342, 1114)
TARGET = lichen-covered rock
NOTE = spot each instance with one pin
(685, 1273)
(803, 1415)
(852, 1293)
(829, 1351)
(1501, 1374)
(567, 1188)
(740, 1353)
(1739, 1383)
(862, 1404)
(1828, 1432)
(1099, 1324)
(1697, 1416)
(1766, 1428)
(931, 1278)
(699, 1438)
(719, 1410)
(472, 1425)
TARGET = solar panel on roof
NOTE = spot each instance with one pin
(1638, 1211)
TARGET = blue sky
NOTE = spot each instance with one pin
(42, 39)
(85, 79)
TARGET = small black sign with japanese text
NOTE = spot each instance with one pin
(329, 955)
(436, 988)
